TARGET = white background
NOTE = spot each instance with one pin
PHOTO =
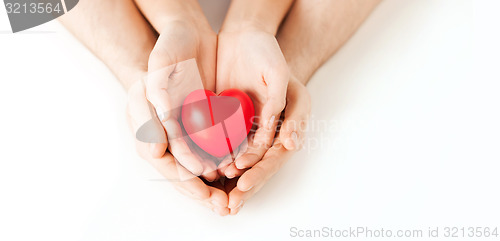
(413, 140)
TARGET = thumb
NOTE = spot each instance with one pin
(147, 128)
(296, 116)
(277, 83)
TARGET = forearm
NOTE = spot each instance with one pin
(265, 15)
(314, 30)
(161, 13)
(116, 32)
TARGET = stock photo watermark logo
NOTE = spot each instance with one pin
(26, 14)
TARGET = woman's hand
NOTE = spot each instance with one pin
(140, 111)
(183, 60)
(250, 59)
(290, 139)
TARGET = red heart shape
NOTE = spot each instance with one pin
(217, 123)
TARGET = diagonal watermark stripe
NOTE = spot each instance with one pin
(26, 14)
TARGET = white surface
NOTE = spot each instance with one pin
(413, 140)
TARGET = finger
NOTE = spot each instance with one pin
(265, 169)
(227, 167)
(182, 179)
(231, 171)
(209, 163)
(236, 196)
(221, 211)
(277, 83)
(157, 94)
(264, 135)
(237, 199)
(217, 202)
(140, 111)
(224, 164)
(190, 185)
(209, 171)
(296, 116)
(156, 91)
(158, 149)
(219, 199)
(143, 121)
(256, 149)
(255, 178)
(180, 148)
(216, 199)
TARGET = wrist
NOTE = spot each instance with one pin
(128, 75)
(301, 68)
(245, 25)
(193, 22)
(262, 15)
(297, 80)
(162, 14)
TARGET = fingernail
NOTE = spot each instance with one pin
(161, 115)
(239, 165)
(239, 205)
(270, 123)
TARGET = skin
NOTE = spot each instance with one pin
(249, 58)
(274, 70)
(313, 31)
(185, 35)
(124, 41)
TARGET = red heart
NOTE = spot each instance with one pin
(217, 123)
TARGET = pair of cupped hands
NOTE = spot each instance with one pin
(248, 59)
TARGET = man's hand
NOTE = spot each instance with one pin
(117, 33)
(312, 32)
